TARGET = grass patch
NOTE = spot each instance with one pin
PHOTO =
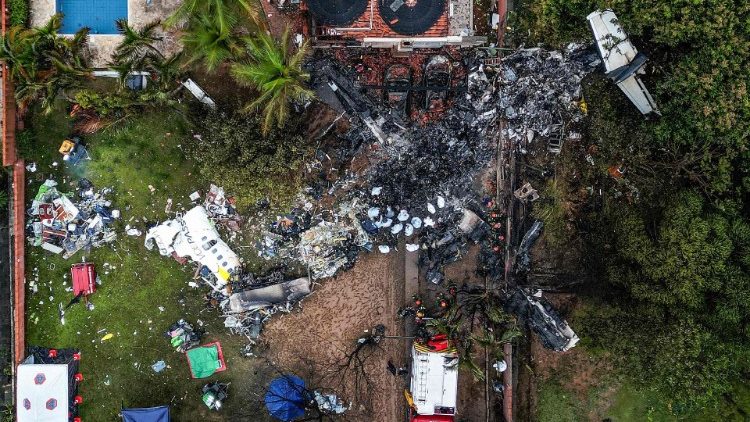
(19, 12)
(632, 404)
(619, 398)
(556, 404)
(146, 151)
(550, 208)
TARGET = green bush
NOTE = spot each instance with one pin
(106, 105)
(19, 12)
(230, 151)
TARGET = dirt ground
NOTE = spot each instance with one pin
(471, 404)
(314, 341)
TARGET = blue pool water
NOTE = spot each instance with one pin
(98, 15)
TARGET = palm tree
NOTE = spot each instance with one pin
(137, 52)
(43, 64)
(214, 28)
(166, 71)
(477, 319)
(137, 45)
(209, 40)
(276, 72)
(16, 51)
(225, 12)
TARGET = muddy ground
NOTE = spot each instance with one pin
(316, 341)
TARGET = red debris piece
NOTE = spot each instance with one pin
(84, 278)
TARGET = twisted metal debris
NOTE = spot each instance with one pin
(418, 167)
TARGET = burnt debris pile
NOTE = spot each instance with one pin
(420, 185)
(540, 91)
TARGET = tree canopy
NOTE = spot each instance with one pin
(673, 297)
(688, 257)
(231, 151)
(275, 70)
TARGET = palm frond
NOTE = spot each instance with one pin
(186, 9)
(276, 73)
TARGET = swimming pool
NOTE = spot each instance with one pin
(98, 15)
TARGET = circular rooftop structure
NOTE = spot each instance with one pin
(411, 17)
(336, 12)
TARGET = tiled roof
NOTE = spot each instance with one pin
(380, 28)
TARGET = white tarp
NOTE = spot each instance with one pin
(42, 393)
(193, 236)
(434, 382)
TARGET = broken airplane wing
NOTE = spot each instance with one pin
(622, 62)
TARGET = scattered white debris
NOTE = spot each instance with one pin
(373, 212)
(403, 215)
(132, 231)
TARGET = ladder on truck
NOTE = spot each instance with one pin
(420, 390)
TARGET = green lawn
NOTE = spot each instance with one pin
(144, 152)
(556, 404)
(620, 399)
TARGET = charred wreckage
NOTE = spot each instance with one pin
(418, 191)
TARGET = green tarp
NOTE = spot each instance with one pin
(204, 361)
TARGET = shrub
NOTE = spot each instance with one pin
(19, 12)
(230, 151)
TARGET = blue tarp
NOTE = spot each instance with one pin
(285, 399)
(149, 414)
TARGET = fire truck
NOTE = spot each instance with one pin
(434, 381)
